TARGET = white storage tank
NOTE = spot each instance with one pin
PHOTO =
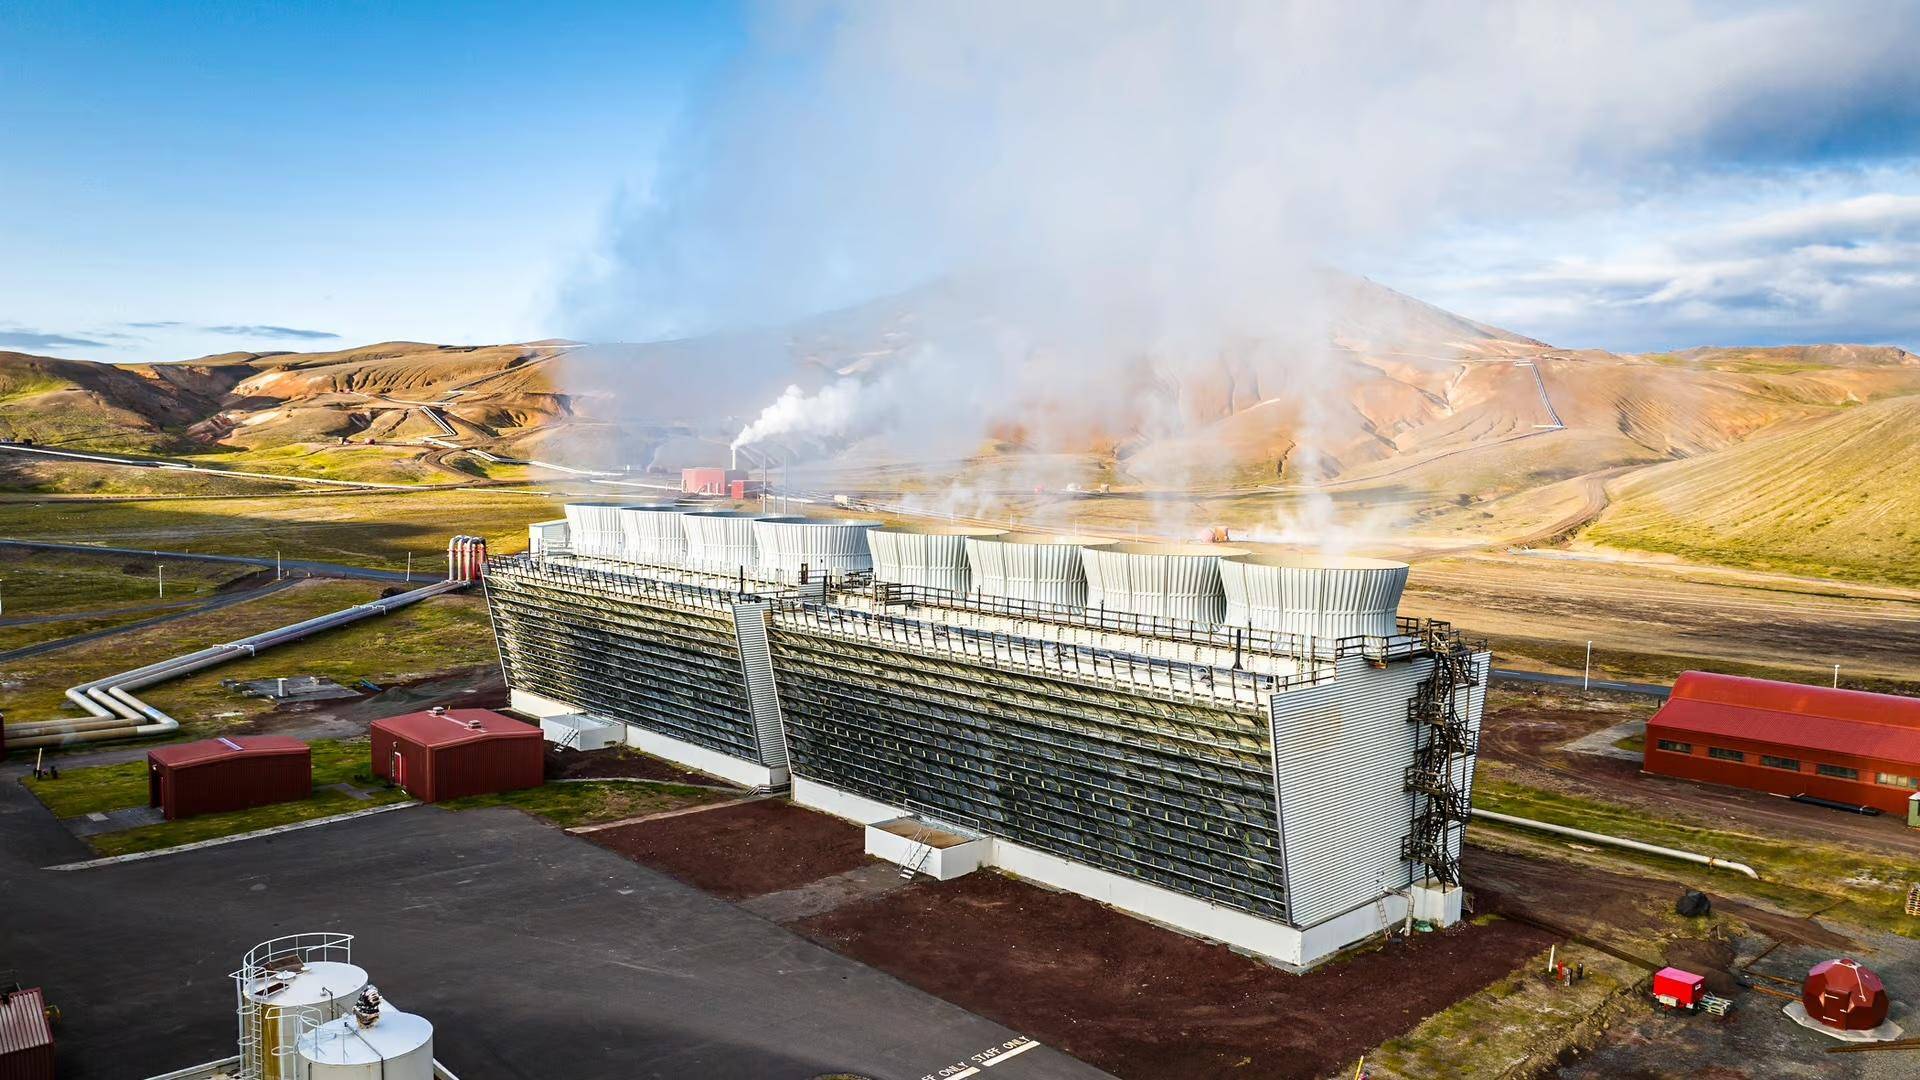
(1040, 567)
(593, 530)
(396, 1046)
(1168, 581)
(652, 534)
(788, 546)
(930, 556)
(285, 985)
(1314, 596)
(720, 540)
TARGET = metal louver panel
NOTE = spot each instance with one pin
(931, 558)
(1340, 755)
(1045, 569)
(652, 534)
(720, 541)
(1171, 581)
(785, 547)
(593, 530)
(1313, 597)
(763, 697)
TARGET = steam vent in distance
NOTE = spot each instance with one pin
(1250, 748)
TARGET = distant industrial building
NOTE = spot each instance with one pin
(1843, 745)
(1264, 755)
(236, 773)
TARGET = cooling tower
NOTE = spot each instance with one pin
(652, 534)
(787, 545)
(720, 540)
(931, 556)
(1170, 581)
(1030, 566)
(593, 530)
(1313, 596)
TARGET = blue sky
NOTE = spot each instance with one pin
(284, 171)
(187, 178)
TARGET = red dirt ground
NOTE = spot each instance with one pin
(736, 852)
(1143, 1002)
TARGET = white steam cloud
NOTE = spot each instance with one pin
(1114, 219)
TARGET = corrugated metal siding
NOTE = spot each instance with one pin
(1185, 587)
(720, 542)
(784, 547)
(593, 529)
(1340, 755)
(1312, 602)
(1754, 776)
(756, 661)
(1047, 573)
(239, 782)
(652, 534)
(26, 1040)
(499, 762)
(931, 560)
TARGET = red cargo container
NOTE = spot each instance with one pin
(26, 1039)
(1678, 989)
(452, 753)
(228, 774)
(1846, 745)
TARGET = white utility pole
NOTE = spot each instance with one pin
(409, 566)
(1587, 677)
(3, 605)
(162, 569)
(1836, 676)
(278, 571)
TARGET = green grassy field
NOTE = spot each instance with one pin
(35, 687)
(371, 529)
(593, 802)
(36, 584)
(104, 788)
(1839, 498)
(1853, 885)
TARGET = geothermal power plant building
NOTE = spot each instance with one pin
(1253, 749)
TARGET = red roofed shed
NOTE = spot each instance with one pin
(1789, 739)
(26, 1039)
(227, 774)
(451, 753)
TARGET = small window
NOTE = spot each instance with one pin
(1725, 754)
(1771, 762)
(1837, 771)
(1896, 780)
(1675, 747)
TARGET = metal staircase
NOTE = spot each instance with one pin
(1444, 743)
(763, 697)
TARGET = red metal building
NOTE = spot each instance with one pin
(26, 1039)
(228, 774)
(1845, 745)
(451, 753)
(709, 480)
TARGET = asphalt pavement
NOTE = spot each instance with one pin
(534, 954)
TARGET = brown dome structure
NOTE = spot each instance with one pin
(1842, 994)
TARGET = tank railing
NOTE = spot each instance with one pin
(1177, 677)
(259, 963)
(676, 585)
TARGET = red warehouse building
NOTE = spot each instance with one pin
(452, 753)
(1788, 739)
(709, 480)
(228, 774)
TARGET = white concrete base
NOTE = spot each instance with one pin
(942, 863)
(1290, 946)
(731, 769)
(1886, 1032)
(578, 731)
(1436, 902)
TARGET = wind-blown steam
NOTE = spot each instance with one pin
(1102, 220)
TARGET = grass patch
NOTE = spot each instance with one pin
(57, 582)
(1632, 666)
(104, 788)
(594, 801)
(1635, 743)
(1854, 885)
(375, 529)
